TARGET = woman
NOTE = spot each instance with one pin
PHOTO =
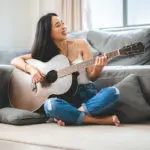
(88, 106)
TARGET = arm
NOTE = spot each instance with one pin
(19, 62)
(95, 70)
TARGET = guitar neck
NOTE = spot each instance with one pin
(83, 65)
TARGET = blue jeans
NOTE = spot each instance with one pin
(99, 104)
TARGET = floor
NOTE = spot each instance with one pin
(97, 137)
(9, 145)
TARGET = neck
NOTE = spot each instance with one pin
(62, 45)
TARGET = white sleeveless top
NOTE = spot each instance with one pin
(82, 78)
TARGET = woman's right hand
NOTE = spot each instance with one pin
(36, 75)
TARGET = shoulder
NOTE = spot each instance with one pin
(81, 46)
(78, 42)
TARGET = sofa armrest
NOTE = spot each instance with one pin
(5, 74)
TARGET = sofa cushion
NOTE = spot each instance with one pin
(132, 107)
(106, 41)
(20, 117)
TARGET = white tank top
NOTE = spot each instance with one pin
(82, 78)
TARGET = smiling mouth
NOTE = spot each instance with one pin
(64, 32)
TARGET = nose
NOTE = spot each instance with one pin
(64, 26)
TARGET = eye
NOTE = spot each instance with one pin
(58, 25)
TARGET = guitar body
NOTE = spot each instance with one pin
(21, 94)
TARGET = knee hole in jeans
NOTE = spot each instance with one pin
(117, 91)
(50, 104)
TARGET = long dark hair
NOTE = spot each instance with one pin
(44, 47)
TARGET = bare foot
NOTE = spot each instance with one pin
(116, 120)
(59, 122)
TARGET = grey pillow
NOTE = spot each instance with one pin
(20, 117)
(145, 85)
(132, 107)
(106, 41)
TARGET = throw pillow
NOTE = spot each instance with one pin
(106, 41)
(132, 107)
(15, 116)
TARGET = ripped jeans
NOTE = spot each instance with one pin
(99, 104)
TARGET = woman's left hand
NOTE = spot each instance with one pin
(100, 62)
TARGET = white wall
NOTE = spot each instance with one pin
(18, 19)
(46, 6)
(17, 23)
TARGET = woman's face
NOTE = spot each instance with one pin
(59, 30)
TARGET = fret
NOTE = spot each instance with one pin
(112, 54)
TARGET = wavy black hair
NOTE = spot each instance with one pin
(44, 47)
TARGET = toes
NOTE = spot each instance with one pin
(61, 123)
(116, 120)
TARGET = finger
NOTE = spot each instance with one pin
(37, 78)
(100, 61)
(97, 61)
(105, 57)
(33, 79)
(103, 60)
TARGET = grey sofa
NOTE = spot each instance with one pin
(128, 74)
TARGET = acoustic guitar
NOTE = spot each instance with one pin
(60, 79)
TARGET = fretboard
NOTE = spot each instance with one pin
(83, 65)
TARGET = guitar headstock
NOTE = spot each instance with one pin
(133, 49)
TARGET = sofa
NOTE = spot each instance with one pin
(130, 74)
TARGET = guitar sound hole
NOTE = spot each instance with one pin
(50, 78)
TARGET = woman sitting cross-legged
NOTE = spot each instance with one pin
(87, 106)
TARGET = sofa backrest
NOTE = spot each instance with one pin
(7, 55)
(107, 41)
